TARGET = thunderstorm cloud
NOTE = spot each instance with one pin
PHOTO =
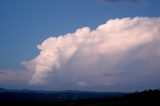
(121, 51)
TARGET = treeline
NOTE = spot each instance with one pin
(147, 97)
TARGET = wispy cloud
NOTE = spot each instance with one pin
(10, 77)
(123, 1)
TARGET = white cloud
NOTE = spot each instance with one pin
(88, 55)
(82, 83)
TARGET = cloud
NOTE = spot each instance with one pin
(123, 1)
(14, 78)
(82, 83)
(9, 74)
(117, 52)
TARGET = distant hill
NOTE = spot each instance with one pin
(2, 89)
(26, 94)
(27, 97)
(14, 90)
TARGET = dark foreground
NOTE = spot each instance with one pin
(74, 98)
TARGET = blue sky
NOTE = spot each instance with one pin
(26, 23)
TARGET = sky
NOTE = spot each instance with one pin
(97, 45)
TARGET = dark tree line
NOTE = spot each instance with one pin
(147, 97)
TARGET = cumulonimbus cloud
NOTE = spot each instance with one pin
(91, 54)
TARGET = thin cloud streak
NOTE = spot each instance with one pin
(123, 1)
